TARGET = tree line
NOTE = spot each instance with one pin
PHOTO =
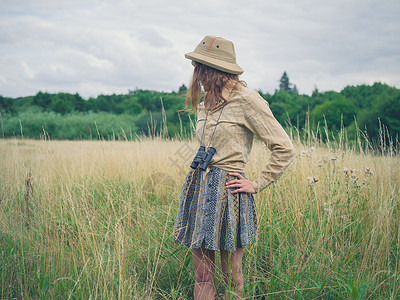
(124, 116)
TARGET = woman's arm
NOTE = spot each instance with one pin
(260, 120)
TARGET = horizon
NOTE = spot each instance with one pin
(177, 89)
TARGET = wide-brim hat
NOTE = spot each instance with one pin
(217, 53)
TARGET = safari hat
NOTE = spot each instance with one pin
(217, 53)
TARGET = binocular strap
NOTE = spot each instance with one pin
(205, 122)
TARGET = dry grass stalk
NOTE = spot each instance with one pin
(28, 194)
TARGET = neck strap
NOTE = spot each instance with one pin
(205, 122)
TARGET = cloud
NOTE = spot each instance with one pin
(95, 47)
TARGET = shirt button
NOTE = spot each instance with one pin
(206, 213)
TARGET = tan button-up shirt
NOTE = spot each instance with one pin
(246, 114)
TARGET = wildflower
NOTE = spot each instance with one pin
(359, 185)
(311, 181)
(346, 171)
(368, 171)
(351, 174)
(329, 210)
(328, 207)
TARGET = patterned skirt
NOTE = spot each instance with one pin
(209, 213)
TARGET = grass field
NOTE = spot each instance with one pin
(93, 220)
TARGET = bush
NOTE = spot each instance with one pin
(72, 126)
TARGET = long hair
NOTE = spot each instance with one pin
(213, 82)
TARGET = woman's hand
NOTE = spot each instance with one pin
(242, 184)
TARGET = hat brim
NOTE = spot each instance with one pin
(215, 63)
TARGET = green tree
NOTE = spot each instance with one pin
(334, 111)
(6, 105)
(290, 107)
(42, 99)
(60, 106)
(129, 106)
(387, 110)
(182, 89)
(79, 103)
(285, 84)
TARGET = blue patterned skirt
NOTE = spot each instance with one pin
(209, 213)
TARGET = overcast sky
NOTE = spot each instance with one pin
(104, 47)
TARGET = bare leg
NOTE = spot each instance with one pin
(231, 264)
(204, 264)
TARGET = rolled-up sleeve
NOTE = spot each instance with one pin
(260, 120)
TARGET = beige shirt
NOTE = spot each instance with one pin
(246, 114)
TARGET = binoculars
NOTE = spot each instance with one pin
(203, 158)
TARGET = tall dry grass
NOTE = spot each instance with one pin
(96, 218)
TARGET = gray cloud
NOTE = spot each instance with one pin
(95, 47)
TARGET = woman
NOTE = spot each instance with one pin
(217, 209)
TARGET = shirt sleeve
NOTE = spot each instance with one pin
(260, 120)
